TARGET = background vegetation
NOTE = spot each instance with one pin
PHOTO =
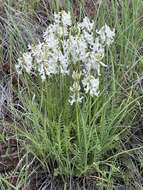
(96, 145)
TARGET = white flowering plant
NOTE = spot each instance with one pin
(61, 72)
(69, 49)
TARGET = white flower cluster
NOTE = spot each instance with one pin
(72, 49)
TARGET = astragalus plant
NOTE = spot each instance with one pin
(71, 122)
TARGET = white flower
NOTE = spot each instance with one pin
(42, 72)
(35, 49)
(63, 59)
(76, 75)
(75, 89)
(50, 32)
(66, 19)
(106, 35)
(86, 24)
(73, 99)
(37, 52)
(62, 31)
(77, 48)
(91, 85)
(52, 41)
(51, 67)
(27, 59)
(96, 46)
(88, 37)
